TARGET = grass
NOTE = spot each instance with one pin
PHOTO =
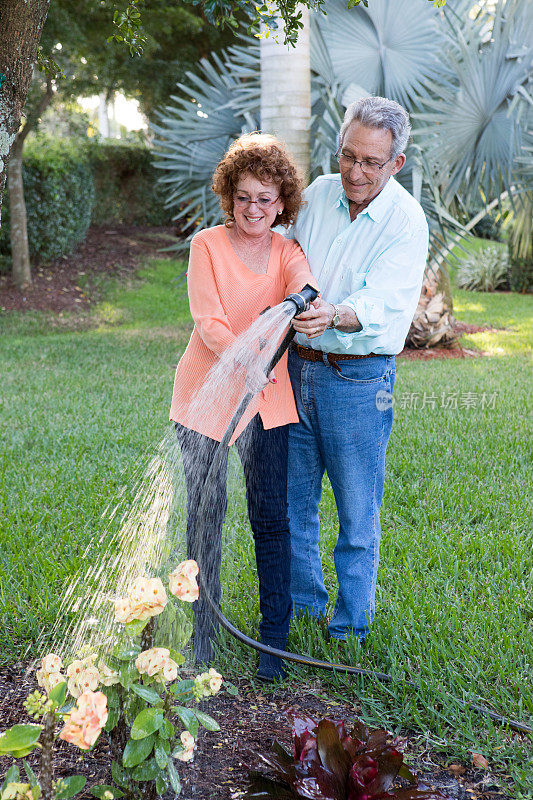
(81, 409)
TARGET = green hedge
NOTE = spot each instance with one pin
(69, 185)
(521, 275)
(126, 186)
(59, 194)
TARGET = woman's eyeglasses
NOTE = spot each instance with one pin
(241, 200)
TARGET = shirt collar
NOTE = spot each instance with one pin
(377, 207)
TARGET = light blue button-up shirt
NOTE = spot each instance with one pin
(374, 265)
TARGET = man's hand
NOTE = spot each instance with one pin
(320, 315)
(315, 320)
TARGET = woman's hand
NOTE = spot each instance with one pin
(315, 320)
(255, 379)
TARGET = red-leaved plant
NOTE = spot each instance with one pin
(331, 764)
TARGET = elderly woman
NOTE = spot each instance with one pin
(235, 271)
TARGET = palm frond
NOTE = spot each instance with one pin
(468, 127)
(390, 49)
(223, 101)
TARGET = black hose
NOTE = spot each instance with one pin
(301, 302)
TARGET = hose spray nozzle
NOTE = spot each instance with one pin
(302, 299)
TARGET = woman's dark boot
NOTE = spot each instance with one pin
(271, 667)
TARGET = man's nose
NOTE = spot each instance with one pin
(354, 165)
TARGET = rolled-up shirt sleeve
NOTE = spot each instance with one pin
(389, 296)
(206, 308)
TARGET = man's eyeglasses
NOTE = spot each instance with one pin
(368, 166)
(241, 200)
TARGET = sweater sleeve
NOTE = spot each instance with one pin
(206, 307)
(296, 269)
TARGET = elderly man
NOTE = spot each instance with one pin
(366, 240)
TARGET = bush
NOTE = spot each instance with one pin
(126, 185)
(484, 271)
(489, 227)
(520, 275)
(59, 193)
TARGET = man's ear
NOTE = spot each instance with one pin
(398, 164)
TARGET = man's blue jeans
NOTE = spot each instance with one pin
(345, 423)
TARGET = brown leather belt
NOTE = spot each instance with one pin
(318, 355)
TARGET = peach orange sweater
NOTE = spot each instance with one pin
(225, 297)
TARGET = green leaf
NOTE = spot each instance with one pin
(137, 751)
(102, 788)
(182, 688)
(111, 692)
(189, 719)
(147, 693)
(146, 772)
(58, 694)
(167, 729)
(127, 654)
(174, 777)
(231, 689)
(161, 756)
(12, 776)
(147, 722)
(32, 777)
(136, 626)
(18, 738)
(128, 674)
(68, 787)
(208, 722)
(178, 657)
(119, 775)
(161, 784)
(113, 716)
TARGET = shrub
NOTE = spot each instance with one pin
(59, 193)
(520, 274)
(489, 227)
(484, 271)
(126, 185)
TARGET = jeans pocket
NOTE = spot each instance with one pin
(355, 372)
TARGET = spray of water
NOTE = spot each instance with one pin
(146, 526)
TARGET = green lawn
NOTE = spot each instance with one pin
(83, 410)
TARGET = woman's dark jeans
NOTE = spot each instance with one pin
(263, 454)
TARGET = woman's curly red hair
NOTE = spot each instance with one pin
(267, 159)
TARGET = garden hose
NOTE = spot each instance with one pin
(301, 302)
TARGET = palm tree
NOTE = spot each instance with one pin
(466, 82)
(286, 90)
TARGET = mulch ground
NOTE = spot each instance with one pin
(107, 251)
(249, 723)
(71, 283)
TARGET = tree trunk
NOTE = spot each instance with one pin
(21, 24)
(20, 252)
(103, 116)
(286, 92)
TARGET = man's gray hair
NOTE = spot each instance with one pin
(379, 112)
